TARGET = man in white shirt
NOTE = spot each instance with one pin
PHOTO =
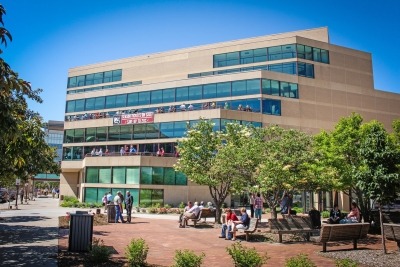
(192, 213)
(118, 208)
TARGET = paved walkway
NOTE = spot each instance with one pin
(29, 237)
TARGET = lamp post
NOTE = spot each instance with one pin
(17, 183)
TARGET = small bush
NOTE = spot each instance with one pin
(182, 205)
(300, 260)
(298, 209)
(167, 206)
(346, 263)
(153, 210)
(136, 252)
(325, 214)
(99, 252)
(187, 258)
(246, 257)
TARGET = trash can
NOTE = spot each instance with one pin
(111, 213)
(80, 231)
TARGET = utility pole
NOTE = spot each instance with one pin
(17, 182)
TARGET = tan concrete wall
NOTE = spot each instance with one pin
(68, 183)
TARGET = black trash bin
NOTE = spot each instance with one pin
(111, 213)
(80, 231)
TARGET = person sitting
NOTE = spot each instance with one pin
(100, 154)
(229, 218)
(206, 105)
(243, 223)
(240, 107)
(213, 105)
(335, 215)
(226, 106)
(189, 205)
(162, 152)
(192, 213)
(190, 107)
(93, 153)
(353, 216)
(183, 107)
(132, 149)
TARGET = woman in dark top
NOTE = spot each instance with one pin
(335, 215)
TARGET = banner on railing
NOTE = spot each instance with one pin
(136, 118)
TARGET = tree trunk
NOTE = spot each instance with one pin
(382, 230)
(274, 214)
(218, 212)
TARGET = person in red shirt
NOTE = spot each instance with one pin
(229, 219)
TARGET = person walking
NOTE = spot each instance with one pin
(128, 205)
(258, 205)
(252, 199)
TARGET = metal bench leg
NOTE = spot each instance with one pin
(354, 243)
(324, 247)
(280, 238)
(247, 236)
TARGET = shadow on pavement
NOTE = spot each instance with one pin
(20, 234)
(18, 219)
(28, 256)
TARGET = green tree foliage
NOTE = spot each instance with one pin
(22, 146)
(286, 160)
(224, 161)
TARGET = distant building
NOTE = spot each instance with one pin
(297, 80)
(54, 138)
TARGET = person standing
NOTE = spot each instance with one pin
(109, 198)
(104, 200)
(252, 205)
(118, 207)
(128, 205)
(21, 194)
(258, 205)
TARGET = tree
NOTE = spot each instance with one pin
(223, 161)
(22, 145)
(285, 165)
(378, 175)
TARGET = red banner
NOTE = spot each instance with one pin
(137, 118)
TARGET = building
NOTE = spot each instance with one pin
(296, 79)
(54, 137)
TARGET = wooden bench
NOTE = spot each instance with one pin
(342, 232)
(252, 228)
(204, 213)
(392, 232)
(291, 225)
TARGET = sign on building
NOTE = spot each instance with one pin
(137, 118)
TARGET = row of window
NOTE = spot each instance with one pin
(95, 78)
(135, 176)
(187, 93)
(141, 197)
(105, 87)
(293, 68)
(175, 129)
(270, 54)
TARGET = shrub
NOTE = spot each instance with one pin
(153, 210)
(167, 206)
(182, 205)
(187, 258)
(136, 252)
(346, 263)
(246, 257)
(300, 260)
(298, 209)
(325, 214)
(99, 252)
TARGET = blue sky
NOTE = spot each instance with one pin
(49, 37)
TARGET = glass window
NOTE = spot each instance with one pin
(167, 130)
(195, 92)
(317, 54)
(168, 95)
(133, 99)
(90, 134)
(90, 195)
(89, 79)
(169, 176)
(80, 80)
(69, 136)
(158, 175)
(181, 179)
(300, 51)
(209, 91)
(288, 51)
(72, 82)
(157, 196)
(89, 104)
(254, 104)
(70, 106)
(253, 86)
(324, 56)
(232, 58)
(275, 67)
(80, 105)
(100, 193)
(152, 131)
(100, 101)
(275, 52)
(110, 101)
(271, 107)
(132, 175)
(105, 175)
(223, 89)
(219, 60)
(92, 175)
(310, 70)
(145, 197)
(79, 135)
(98, 78)
(179, 128)
(101, 134)
(182, 94)
(144, 98)
(107, 77)
(139, 131)
(239, 88)
(117, 75)
(260, 55)
(118, 175)
(113, 133)
(156, 97)
(308, 52)
(301, 69)
(126, 132)
(120, 101)
(266, 86)
(146, 175)
(274, 87)
(289, 68)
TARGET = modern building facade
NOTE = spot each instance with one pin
(297, 80)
